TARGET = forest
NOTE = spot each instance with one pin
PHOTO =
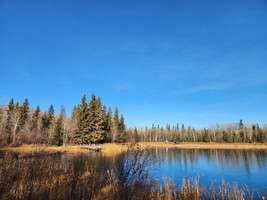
(92, 122)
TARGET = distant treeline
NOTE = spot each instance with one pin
(233, 132)
(92, 123)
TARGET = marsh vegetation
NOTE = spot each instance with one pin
(42, 174)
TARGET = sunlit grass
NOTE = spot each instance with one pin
(204, 145)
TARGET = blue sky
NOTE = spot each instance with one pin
(192, 62)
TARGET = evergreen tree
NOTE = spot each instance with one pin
(58, 135)
(10, 111)
(241, 131)
(96, 122)
(51, 113)
(45, 127)
(262, 136)
(24, 112)
(116, 125)
(35, 118)
(82, 128)
(109, 125)
(104, 117)
(122, 130)
(183, 132)
(135, 135)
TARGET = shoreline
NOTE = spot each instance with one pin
(204, 145)
(111, 148)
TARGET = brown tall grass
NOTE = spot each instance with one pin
(34, 176)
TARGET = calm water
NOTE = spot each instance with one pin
(246, 167)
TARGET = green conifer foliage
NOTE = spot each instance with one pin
(10, 111)
(122, 130)
(116, 125)
(135, 135)
(109, 125)
(82, 128)
(51, 113)
(58, 136)
(35, 118)
(45, 127)
(24, 113)
(96, 122)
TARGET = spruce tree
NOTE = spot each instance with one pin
(10, 111)
(122, 130)
(109, 125)
(104, 117)
(82, 128)
(96, 122)
(51, 113)
(135, 135)
(116, 125)
(24, 112)
(58, 135)
(35, 118)
(45, 127)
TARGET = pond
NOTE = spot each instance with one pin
(244, 167)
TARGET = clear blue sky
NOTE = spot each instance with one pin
(192, 62)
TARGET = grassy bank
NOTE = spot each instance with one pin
(204, 145)
(108, 150)
(111, 148)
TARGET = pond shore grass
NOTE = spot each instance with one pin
(112, 149)
(204, 145)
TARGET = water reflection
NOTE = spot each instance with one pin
(246, 167)
(255, 159)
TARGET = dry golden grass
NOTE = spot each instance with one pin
(204, 145)
(111, 149)
(52, 149)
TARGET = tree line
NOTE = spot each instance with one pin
(232, 133)
(92, 122)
